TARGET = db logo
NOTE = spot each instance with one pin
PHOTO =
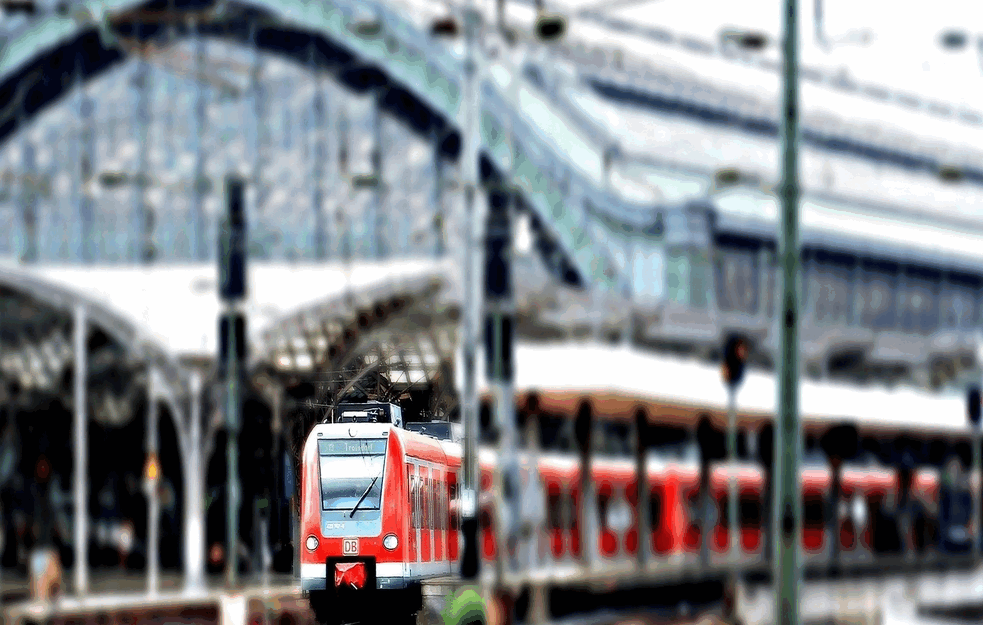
(350, 547)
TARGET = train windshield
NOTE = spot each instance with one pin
(351, 473)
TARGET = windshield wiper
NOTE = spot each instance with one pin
(364, 495)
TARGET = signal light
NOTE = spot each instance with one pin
(975, 405)
(735, 355)
(444, 27)
(550, 27)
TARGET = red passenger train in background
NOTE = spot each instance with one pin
(378, 511)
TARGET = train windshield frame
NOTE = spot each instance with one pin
(352, 470)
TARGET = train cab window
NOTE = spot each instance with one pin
(350, 473)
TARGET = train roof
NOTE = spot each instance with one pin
(619, 379)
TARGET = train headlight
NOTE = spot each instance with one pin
(311, 543)
(390, 542)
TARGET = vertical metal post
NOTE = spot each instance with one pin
(153, 524)
(586, 511)
(259, 136)
(344, 236)
(232, 409)
(85, 170)
(438, 196)
(734, 530)
(200, 249)
(81, 455)
(642, 496)
(787, 546)
(194, 516)
(376, 225)
(29, 201)
(142, 251)
(977, 480)
(499, 314)
(318, 162)
(471, 302)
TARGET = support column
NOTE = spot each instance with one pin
(194, 494)
(787, 543)
(259, 123)
(472, 305)
(81, 468)
(587, 510)
(376, 217)
(199, 250)
(318, 162)
(152, 484)
(29, 202)
(342, 226)
(642, 495)
(86, 169)
(438, 197)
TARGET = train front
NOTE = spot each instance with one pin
(351, 524)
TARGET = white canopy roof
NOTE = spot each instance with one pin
(594, 368)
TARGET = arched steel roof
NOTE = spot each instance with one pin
(421, 80)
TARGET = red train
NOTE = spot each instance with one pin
(378, 513)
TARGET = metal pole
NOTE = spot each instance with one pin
(143, 241)
(200, 251)
(81, 456)
(194, 522)
(787, 545)
(642, 496)
(471, 297)
(153, 543)
(733, 541)
(232, 456)
(977, 460)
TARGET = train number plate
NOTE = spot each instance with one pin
(349, 547)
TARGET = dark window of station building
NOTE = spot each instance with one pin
(738, 276)
(919, 300)
(831, 287)
(876, 292)
(959, 301)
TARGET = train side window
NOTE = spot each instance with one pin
(426, 503)
(655, 509)
(750, 511)
(603, 501)
(416, 502)
(813, 513)
(555, 511)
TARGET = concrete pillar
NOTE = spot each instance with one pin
(318, 111)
